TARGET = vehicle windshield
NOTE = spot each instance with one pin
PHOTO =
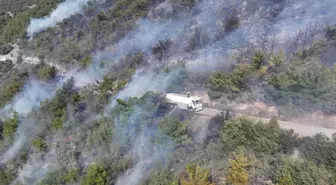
(198, 101)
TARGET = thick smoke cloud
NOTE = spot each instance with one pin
(63, 11)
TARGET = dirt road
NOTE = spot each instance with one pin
(300, 128)
(13, 56)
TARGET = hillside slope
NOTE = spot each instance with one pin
(82, 84)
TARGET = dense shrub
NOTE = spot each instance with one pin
(319, 149)
(6, 66)
(303, 90)
(55, 108)
(46, 72)
(330, 32)
(231, 82)
(196, 175)
(260, 137)
(78, 41)
(86, 61)
(40, 144)
(95, 175)
(16, 26)
(5, 49)
(160, 177)
(175, 129)
(293, 172)
(11, 87)
(10, 125)
(232, 24)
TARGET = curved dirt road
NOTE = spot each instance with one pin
(299, 128)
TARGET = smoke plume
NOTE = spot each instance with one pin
(64, 10)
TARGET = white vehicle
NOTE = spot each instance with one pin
(186, 102)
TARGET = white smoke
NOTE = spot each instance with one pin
(24, 134)
(147, 155)
(144, 81)
(149, 33)
(34, 93)
(64, 10)
(36, 168)
(15, 149)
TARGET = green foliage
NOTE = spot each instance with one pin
(160, 177)
(231, 82)
(6, 66)
(132, 61)
(55, 108)
(330, 32)
(110, 86)
(305, 90)
(117, 166)
(305, 173)
(258, 60)
(135, 114)
(214, 94)
(78, 42)
(5, 49)
(175, 129)
(57, 123)
(319, 149)
(86, 61)
(121, 102)
(100, 133)
(40, 144)
(69, 113)
(10, 125)
(196, 175)
(276, 60)
(184, 2)
(285, 177)
(53, 178)
(60, 177)
(11, 87)
(95, 175)
(160, 50)
(232, 24)
(7, 175)
(16, 26)
(71, 176)
(260, 137)
(15, 6)
(237, 174)
(46, 72)
(242, 76)
(285, 180)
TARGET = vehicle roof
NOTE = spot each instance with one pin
(184, 96)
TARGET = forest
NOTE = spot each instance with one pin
(82, 86)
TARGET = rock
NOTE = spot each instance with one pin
(5, 49)
(6, 65)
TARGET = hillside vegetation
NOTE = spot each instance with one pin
(91, 110)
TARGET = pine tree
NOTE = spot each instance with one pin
(237, 173)
(286, 180)
(196, 176)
